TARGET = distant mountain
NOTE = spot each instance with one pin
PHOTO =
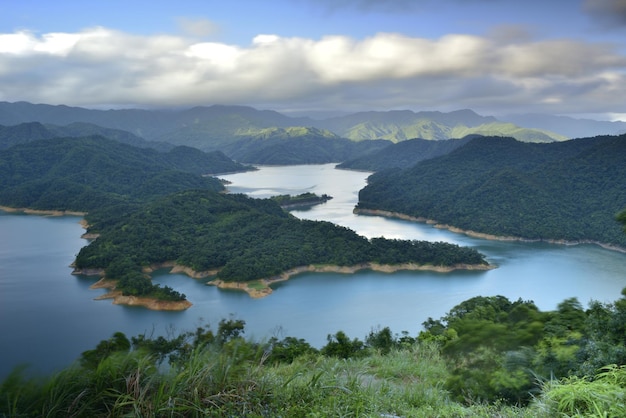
(404, 154)
(183, 158)
(214, 127)
(569, 127)
(569, 190)
(174, 126)
(32, 131)
(298, 146)
(402, 125)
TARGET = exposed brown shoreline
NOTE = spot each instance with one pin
(262, 287)
(150, 303)
(470, 233)
(42, 212)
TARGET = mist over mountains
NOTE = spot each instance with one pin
(206, 127)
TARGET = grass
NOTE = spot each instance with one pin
(236, 380)
(257, 285)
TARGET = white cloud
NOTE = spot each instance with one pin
(387, 70)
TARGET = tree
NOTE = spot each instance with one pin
(117, 343)
(339, 345)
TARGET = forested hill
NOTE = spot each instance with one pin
(33, 131)
(570, 190)
(404, 154)
(400, 125)
(83, 174)
(244, 238)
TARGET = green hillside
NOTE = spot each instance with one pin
(403, 154)
(244, 239)
(33, 131)
(568, 190)
(399, 126)
(218, 127)
(84, 174)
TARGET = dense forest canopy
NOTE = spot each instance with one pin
(403, 154)
(92, 173)
(244, 239)
(570, 190)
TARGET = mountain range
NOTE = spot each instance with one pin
(220, 122)
(256, 136)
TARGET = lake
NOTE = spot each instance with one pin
(48, 316)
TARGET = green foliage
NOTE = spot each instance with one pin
(339, 345)
(289, 349)
(398, 126)
(117, 343)
(223, 374)
(403, 154)
(309, 148)
(91, 173)
(304, 199)
(569, 190)
(581, 397)
(381, 339)
(244, 238)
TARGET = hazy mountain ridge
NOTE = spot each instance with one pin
(210, 127)
(32, 131)
(567, 126)
(398, 126)
(404, 154)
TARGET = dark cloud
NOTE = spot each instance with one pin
(609, 13)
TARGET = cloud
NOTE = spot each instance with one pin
(487, 73)
(610, 13)
(197, 27)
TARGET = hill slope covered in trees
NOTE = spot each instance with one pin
(569, 190)
(403, 154)
(85, 174)
(242, 239)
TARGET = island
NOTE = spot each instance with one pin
(238, 242)
(300, 201)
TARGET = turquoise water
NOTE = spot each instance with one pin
(48, 316)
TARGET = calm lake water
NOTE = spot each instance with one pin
(48, 317)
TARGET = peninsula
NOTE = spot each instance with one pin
(244, 243)
(143, 212)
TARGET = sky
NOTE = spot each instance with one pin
(496, 57)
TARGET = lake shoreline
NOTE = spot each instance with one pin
(262, 287)
(256, 289)
(145, 302)
(481, 235)
(41, 212)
